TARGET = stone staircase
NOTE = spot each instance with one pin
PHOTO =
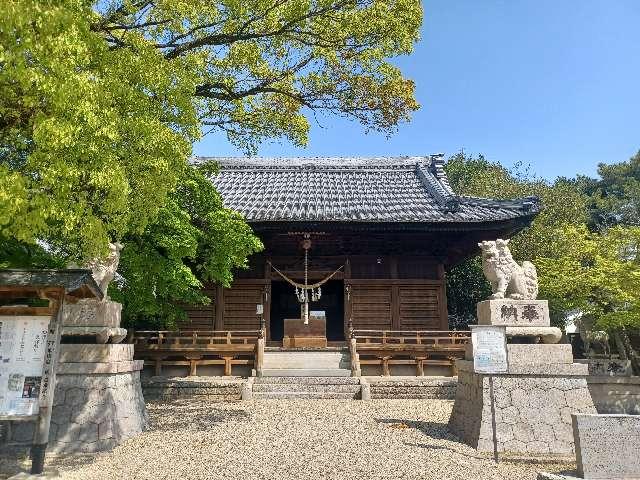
(307, 363)
(301, 387)
(306, 374)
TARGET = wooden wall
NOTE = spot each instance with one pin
(381, 292)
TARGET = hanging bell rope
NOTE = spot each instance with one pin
(303, 286)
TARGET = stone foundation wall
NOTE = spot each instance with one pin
(533, 412)
(167, 389)
(97, 403)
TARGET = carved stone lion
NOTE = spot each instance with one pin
(104, 269)
(508, 279)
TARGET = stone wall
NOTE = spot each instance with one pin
(443, 388)
(533, 412)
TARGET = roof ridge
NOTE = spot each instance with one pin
(268, 163)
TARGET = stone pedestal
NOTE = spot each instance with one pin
(612, 367)
(98, 400)
(94, 318)
(534, 399)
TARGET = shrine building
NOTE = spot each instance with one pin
(378, 235)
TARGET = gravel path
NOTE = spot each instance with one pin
(279, 439)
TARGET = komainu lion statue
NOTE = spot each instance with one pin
(508, 279)
(104, 269)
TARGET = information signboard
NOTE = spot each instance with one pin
(489, 349)
(23, 347)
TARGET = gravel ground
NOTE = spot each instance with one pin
(289, 439)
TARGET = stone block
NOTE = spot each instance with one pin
(89, 368)
(556, 369)
(533, 354)
(92, 312)
(81, 353)
(545, 334)
(101, 333)
(615, 394)
(607, 446)
(514, 313)
(539, 354)
(532, 412)
(608, 367)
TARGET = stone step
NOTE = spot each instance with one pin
(413, 387)
(308, 380)
(305, 372)
(304, 395)
(209, 388)
(303, 387)
(306, 360)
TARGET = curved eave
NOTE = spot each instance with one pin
(509, 226)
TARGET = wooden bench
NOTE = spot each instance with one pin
(403, 347)
(194, 348)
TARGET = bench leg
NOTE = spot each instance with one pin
(158, 367)
(227, 366)
(454, 370)
(193, 368)
(385, 366)
(420, 366)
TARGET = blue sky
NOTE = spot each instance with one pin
(552, 84)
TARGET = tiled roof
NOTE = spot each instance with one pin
(383, 189)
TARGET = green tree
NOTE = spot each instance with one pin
(598, 274)
(194, 240)
(615, 196)
(563, 204)
(101, 101)
(92, 139)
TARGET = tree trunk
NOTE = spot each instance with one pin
(622, 351)
(633, 355)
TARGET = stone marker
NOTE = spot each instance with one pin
(607, 447)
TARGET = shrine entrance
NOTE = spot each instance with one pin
(284, 304)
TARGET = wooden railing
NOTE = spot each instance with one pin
(200, 347)
(406, 347)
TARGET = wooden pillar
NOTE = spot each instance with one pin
(385, 366)
(420, 366)
(219, 320)
(395, 307)
(347, 297)
(266, 299)
(444, 311)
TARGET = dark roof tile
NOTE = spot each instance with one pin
(381, 189)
